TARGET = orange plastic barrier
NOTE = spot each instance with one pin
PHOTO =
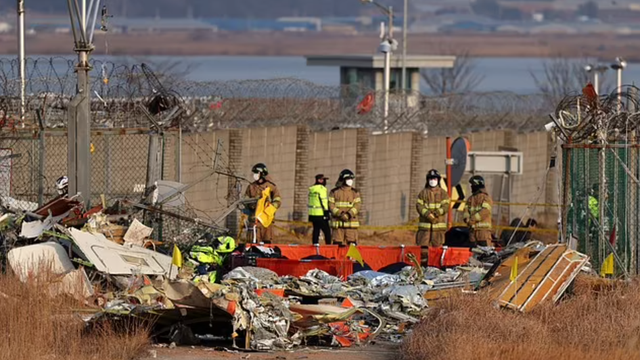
(452, 256)
(284, 267)
(377, 257)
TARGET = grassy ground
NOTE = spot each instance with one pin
(592, 324)
(36, 326)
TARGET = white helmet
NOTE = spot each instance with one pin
(62, 185)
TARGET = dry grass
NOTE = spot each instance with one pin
(36, 326)
(590, 325)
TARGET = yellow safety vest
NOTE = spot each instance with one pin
(318, 202)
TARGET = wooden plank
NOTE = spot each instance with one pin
(565, 270)
(518, 292)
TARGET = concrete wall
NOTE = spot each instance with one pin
(390, 169)
(389, 179)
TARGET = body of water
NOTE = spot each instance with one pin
(499, 74)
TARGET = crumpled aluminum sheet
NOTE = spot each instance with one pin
(252, 274)
(270, 319)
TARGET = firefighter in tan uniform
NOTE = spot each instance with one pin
(262, 180)
(479, 213)
(432, 206)
(344, 205)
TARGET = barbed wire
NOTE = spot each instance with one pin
(580, 117)
(119, 91)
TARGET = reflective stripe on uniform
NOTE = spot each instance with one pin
(477, 216)
(482, 225)
(344, 224)
(344, 204)
(354, 211)
(486, 205)
(428, 226)
(420, 201)
(357, 200)
(424, 211)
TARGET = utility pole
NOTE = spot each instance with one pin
(79, 109)
(21, 59)
(619, 65)
(387, 46)
(404, 46)
(387, 70)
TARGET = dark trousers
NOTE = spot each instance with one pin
(319, 223)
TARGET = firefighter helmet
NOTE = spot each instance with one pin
(477, 181)
(62, 185)
(260, 168)
(433, 174)
(346, 174)
(227, 245)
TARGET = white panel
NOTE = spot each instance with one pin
(494, 162)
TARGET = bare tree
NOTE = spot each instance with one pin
(561, 77)
(461, 78)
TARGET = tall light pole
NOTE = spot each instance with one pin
(21, 59)
(404, 45)
(387, 46)
(79, 109)
(596, 70)
(619, 65)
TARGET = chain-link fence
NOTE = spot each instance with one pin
(601, 172)
(619, 227)
(32, 161)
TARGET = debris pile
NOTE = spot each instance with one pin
(107, 258)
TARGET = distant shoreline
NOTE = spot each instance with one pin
(603, 47)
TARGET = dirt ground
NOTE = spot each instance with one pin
(294, 44)
(372, 352)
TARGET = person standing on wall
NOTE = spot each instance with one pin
(432, 206)
(344, 205)
(319, 209)
(255, 190)
(479, 213)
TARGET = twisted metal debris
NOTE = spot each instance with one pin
(120, 90)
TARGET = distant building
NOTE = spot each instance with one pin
(5, 27)
(366, 72)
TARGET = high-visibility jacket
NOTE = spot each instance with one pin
(593, 207)
(344, 199)
(205, 255)
(318, 200)
(479, 210)
(433, 201)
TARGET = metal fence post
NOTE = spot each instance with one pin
(107, 165)
(41, 159)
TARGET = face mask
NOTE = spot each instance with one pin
(349, 182)
(433, 183)
(256, 177)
